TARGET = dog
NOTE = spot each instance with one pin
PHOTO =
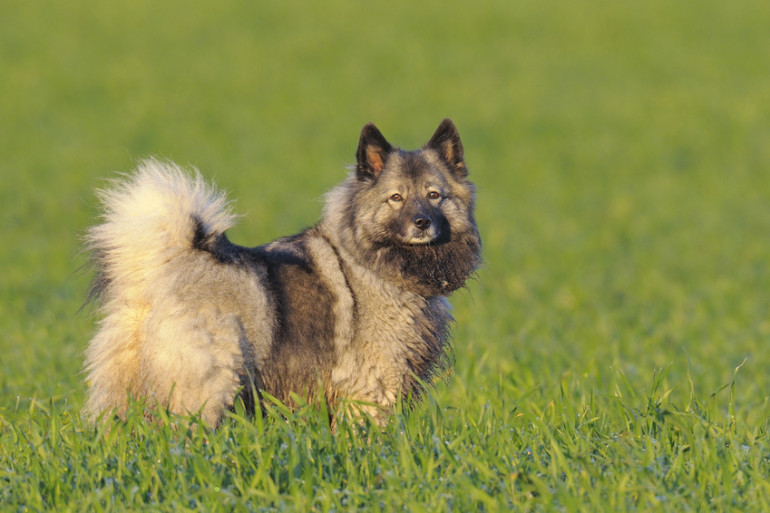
(351, 309)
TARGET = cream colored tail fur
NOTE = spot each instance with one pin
(149, 222)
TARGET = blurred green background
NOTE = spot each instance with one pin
(620, 150)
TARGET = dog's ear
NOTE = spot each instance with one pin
(446, 141)
(373, 152)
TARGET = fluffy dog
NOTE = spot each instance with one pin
(352, 308)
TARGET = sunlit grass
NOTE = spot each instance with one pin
(611, 353)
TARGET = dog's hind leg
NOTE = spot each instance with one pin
(111, 363)
(194, 362)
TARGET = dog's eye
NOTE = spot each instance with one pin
(433, 195)
(396, 197)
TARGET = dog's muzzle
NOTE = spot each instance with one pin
(421, 230)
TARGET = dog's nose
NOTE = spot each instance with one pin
(422, 222)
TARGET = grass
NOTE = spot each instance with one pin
(611, 354)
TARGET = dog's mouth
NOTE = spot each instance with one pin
(424, 240)
(420, 237)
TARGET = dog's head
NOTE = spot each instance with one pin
(411, 212)
(418, 195)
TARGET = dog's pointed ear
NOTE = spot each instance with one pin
(446, 141)
(373, 152)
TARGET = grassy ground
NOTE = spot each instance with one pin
(610, 356)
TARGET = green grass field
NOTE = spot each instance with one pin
(612, 354)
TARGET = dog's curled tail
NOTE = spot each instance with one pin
(152, 219)
(154, 215)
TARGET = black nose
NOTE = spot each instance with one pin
(422, 222)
